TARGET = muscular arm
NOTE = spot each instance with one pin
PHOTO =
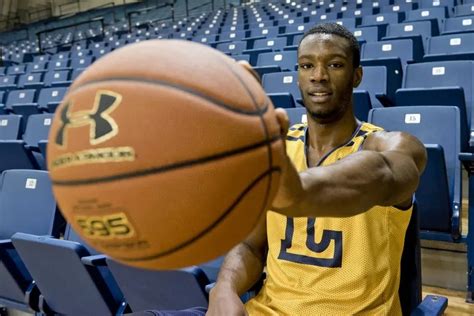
(386, 172)
(244, 264)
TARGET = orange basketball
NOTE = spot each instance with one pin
(165, 154)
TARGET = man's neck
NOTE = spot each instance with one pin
(325, 137)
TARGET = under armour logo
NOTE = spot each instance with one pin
(102, 126)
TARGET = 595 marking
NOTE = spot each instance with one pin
(105, 227)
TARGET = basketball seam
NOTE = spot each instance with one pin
(210, 227)
(165, 168)
(178, 87)
(265, 128)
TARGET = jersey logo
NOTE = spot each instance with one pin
(102, 126)
(315, 247)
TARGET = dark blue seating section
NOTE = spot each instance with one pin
(418, 61)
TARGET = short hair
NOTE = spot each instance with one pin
(339, 30)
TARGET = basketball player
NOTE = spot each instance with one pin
(333, 242)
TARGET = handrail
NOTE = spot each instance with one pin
(168, 4)
(38, 35)
(197, 7)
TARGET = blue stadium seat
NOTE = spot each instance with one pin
(297, 115)
(26, 205)
(16, 70)
(284, 60)
(8, 82)
(439, 195)
(234, 47)
(58, 65)
(37, 129)
(100, 51)
(435, 15)
(10, 126)
(36, 67)
(25, 153)
(367, 34)
(41, 58)
(419, 31)
(274, 44)
(264, 32)
(440, 83)
(376, 81)
(154, 289)
(50, 98)
(405, 49)
(22, 102)
(282, 88)
(450, 47)
(60, 57)
(399, 6)
(80, 53)
(357, 13)
(459, 25)
(242, 57)
(232, 36)
(324, 17)
(70, 280)
(381, 19)
(31, 81)
(81, 62)
(464, 10)
(57, 78)
(205, 39)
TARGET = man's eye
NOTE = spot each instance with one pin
(336, 65)
(305, 66)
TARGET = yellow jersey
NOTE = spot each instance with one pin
(332, 266)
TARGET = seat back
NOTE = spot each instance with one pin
(234, 47)
(451, 44)
(24, 96)
(10, 126)
(56, 76)
(367, 34)
(460, 24)
(443, 74)
(282, 82)
(51, 96)
(403, 48)
(285, 60)
(265, 31)
(67, 286)
(37, 128)
(297, 115)
(27, 203)
(375, 82)
(155, 289)
(272, 43)
(439, 191)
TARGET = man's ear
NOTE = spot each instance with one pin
(357, 77)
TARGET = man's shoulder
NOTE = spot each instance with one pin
(368, 127)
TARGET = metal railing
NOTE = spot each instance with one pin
(51, 30)
(169, 4)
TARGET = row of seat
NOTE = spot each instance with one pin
(45, 274)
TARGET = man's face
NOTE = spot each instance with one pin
(326, 76)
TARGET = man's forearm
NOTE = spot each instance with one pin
(354, 184)
(241, 269)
